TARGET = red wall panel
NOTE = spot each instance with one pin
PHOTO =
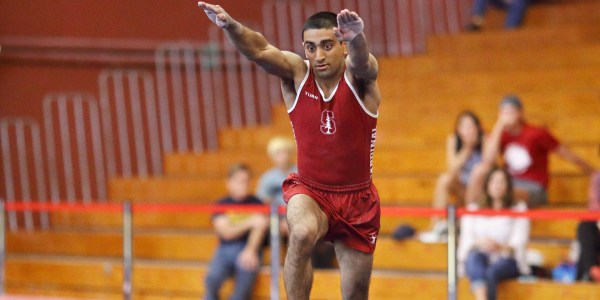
(134, 19)
(26, 79)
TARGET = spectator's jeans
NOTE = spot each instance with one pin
(536, 192)
(223, 266)
(481, 272)
(588, 237)
(516, 10)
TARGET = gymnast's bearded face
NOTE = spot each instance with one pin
(325, 52)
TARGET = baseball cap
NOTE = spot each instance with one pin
(512, 100)
(403, 232)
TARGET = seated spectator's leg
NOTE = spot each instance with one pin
(479, 9)
(588, 237)
(355, 270)
(284, 230)
(516, 13)
(505, 268)
(307, 224)
(443, 188)
(221, 267)
(531, 192)
(458, 190)
(475, 268)
(522, 194)
(477, 13)
(323, 255)
(244, 283)
(474, 188)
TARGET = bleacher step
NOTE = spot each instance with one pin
(554, 229)
(523, 38)
(200, 247)
(176, 280)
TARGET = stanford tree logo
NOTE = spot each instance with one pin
(327, 122)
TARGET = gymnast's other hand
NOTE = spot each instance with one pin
(349, 25)
(216, 14)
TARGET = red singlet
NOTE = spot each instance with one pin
(335, 136)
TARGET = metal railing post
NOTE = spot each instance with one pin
(127, 250)
(2, 245)
(275, 250)
(452, 268)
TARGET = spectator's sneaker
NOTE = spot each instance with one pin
(595, 273)
(439, 233)
(472, 27)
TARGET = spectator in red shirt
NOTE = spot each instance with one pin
(525, 149)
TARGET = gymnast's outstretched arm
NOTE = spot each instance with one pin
(254, 46)
(359, 61)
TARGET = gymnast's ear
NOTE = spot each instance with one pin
(345, 45)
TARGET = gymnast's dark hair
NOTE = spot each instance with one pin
(320, 20)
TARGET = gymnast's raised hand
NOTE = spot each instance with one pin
(349, 25)
(216, 14)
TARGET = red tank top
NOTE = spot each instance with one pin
(335, 136)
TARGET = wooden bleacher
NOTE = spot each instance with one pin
(386, 161)
(553, 64)
(543, 229)
(185, 246)
(407, 189)
(156, 280)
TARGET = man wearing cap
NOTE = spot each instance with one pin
(525, 149)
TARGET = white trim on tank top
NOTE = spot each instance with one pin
(300, 87)
(323, 94)
(360, 101)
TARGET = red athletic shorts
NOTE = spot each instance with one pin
(352, 210)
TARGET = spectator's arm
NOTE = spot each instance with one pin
(267, 188)
(519, 235)
(257, 232)
(262, 190)
(565, 153)
(456, 160)
(248, 258)
(491, 147)
(231, 231)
